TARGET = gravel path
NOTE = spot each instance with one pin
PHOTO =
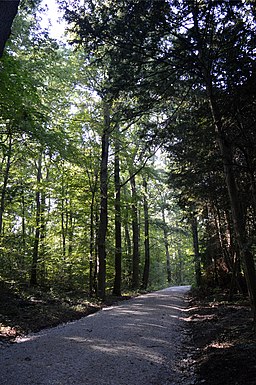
(135, 343)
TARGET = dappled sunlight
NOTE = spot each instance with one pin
(179, 308)
(29, 338)
(174, 316)
(133, 343)
(141, 325)
(132, 312)
(155, 325)
(220, 345)
(124, 348)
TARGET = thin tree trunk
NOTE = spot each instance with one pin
(96, 255)
(236, 209)
(146, 270)
(167, 253)
(6, 177)
(71, 231)
(63, 229)
(35, 255)
(91, 244)
(194, 228)
(180, 264)
(128, 243)
(118, 236)
(23, 222)
(104, 204)
(43, 235)
(135, 236)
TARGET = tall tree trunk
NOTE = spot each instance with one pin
(6, 177)
(93, 182)
(8, 10)
(180, 266)
(23, 221)
(91, 244)
(104, 203)
(43, 233)
(96, 254)
(71, 226)
(167, 253)
(35, 255)
(135, 236)
(118, 236)
(63, 228)
(194, 228)
(146, 238)
(128, 243)
(236, 207)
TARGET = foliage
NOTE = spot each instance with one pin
(143, 61)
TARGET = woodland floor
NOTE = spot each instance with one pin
(24, 310)
(223, 342)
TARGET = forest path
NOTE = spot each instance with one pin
(138, 342)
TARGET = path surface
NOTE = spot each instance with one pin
(135, 343)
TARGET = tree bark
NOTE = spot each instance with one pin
(146, 270)
(167, 253)
(8, 10)
(194, 228)
(96, 254)
(35, 255)
(118, 235)
(128, 243)
(236, 208)
(91, 244)
(43, 229)
(63, 222)
(93, 182)
(104, 203)
(135, 236)
(6, 177)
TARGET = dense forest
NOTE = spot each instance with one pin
(128, 148)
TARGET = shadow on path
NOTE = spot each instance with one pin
(136, 343)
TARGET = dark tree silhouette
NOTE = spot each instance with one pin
(8, 10)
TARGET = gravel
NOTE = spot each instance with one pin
(138, 342)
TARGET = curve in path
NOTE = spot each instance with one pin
(136, 343)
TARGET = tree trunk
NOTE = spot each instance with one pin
(128, 243)
(8, 10)
(167, 253)
(135, 237)
(63, 228)
(6, 176)
(96, 254)
(180, 266)
(146, 240)
(43, 230)
(23, 222)
(91, 244)
(236, 208)
(196, 250)
(35, 255)
(104, 203)
(118, 236)
(71, 226)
